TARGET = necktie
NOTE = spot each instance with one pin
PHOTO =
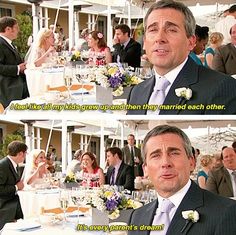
(162, 217)
(113, 176)
(158, 95)
(234, 176)
(131, 156)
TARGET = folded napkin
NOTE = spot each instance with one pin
(23, 225)
(47, 191)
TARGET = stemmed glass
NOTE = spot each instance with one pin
(143, 73)
(64, 202)
(81, 74)
(68, 79)
(85, 55)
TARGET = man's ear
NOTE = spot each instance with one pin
(192, 42)
(145, 172)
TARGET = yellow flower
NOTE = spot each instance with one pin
(77, 53)
(108, 194)
(112, 70)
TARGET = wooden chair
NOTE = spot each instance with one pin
(1, 108)
(58, 210)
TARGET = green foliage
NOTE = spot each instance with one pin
(26, 28)
(9, 138)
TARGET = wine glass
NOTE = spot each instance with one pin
(85, 55)
(143, 73)
(68, 79)
(99, 58)
(81, 75)
(64, 202)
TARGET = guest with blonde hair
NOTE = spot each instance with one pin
(43, 49)
(38, 167)
(206, 164)
(216, 40)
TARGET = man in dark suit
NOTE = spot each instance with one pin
(225, 58)
(118, 173)
(169, 37)
(168, 161)
(10, 183)
(127, 50)
(223, 181)
(132, 156)
(12, 78)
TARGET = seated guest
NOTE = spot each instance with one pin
(168, 162)
(38, 168)
(74, 165)
(127, 50)
(10, 183)
(118, 173)
(222, 181)
(100, 52)
(215, 40)
(91, 170)
(206, 165)
(201, 34)
(43, 49)
(218, 161)
(225, 57)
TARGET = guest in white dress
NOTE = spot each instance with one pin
(42, 50)
(38, 167)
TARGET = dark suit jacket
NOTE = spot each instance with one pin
(10, 208)
(208, 88)
(219, 182)
(217, 214)
(131, 54)
(138, 171)
(225, 59)
(12, 86)
(124, 177)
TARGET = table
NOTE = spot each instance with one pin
(40, 79)
(33, 201)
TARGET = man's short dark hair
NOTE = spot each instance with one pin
(115, 150)
(7, 21)
(232, 9)
(16, 147)
(166, 129)
(124, 28)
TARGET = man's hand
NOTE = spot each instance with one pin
(115, 40)
(22, 67)
(20, 185)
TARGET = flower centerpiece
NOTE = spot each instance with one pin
(70, 180)
(75, 56)
(111, 202)
(115, 77)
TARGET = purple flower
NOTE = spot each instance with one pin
(115, 81)
(111, 204)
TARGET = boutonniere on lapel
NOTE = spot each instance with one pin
(191, 217)
(184, 92)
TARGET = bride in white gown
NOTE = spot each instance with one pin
(42, 50)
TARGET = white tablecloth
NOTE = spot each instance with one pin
(33, 201)
(39, 79)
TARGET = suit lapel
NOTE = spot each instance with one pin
(227, 179)
(12, 169)
(119, 172)
(233, 51)
(186, 77)
(191, 201)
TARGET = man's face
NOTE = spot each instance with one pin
(229, 158)
(20, 157)
(12, 32)
(131, 140)
(122, 37)
(110, 159)
(165, 40)
(167, 163)
(233, 35)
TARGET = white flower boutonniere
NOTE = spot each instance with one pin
(184, 92)
(191, 215)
